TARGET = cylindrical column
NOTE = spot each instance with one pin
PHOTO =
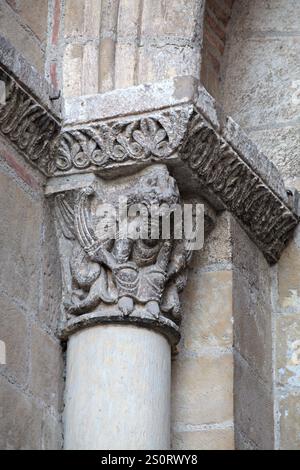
(118, 389)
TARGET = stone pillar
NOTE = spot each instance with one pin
(121, 310)
(118, 389)
(120, 284)
(114, 44)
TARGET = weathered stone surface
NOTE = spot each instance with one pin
(35, 13)
(290, 422)
(288, 350)
(14, 333)
(114, 275)
(13, 60)
(248, 100)
(159, 20)
(210, 439)
(241, 189)
(266, 16)
(50, 294)
(242, 442)
(289, 276)
(165, 60)
(125, 70)
(74, 17)
(218, 245)
(137, 99)
(52, 436)
(23, 41)
(257, 198)
(20, 243)
(253, 336)
(207, 303)
(46, 379)
(253, 406)
(72, 70)
(282, 147)
(202, 389)
(21, 419)
(254, 158)
(89, 58)
(27, 125)
(207, 106)
(118, 376)
(248, 260)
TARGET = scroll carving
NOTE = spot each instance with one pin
(264, 216)
(151, 138)
(178, 134)
(27, 125)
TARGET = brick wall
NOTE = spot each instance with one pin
(216, 23)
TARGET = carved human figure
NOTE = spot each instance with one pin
(124, 270)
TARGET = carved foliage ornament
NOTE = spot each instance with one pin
(262, 213)
(265, 217)
(27, 125)
(151, 138)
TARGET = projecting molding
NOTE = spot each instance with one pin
(187, 134)
(174, 122)
(27, 124)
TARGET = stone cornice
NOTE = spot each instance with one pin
(27, 124)
(195, 138)
(265, 215)
(29, 114)
(173, 122)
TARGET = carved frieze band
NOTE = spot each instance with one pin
(264, 216)
(157, 137)
(99, 146)
(27, 125)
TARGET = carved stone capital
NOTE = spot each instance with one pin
(174, 122)
(203, 149)
(121, 278)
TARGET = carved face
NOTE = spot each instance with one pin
(159, 187)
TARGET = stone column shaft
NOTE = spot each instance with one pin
(118, 389)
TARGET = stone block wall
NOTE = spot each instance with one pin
(261, 92)
(222, 390)
(31, 382)
(202, 389)
(24, 24)
(286, 305)
(261, 78)
(112, 44)
(253, 344)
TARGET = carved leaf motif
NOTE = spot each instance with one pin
(63, 158)
(27, 124)
(126, 147)
(243, 192)
(116, 142)
(151, 137)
